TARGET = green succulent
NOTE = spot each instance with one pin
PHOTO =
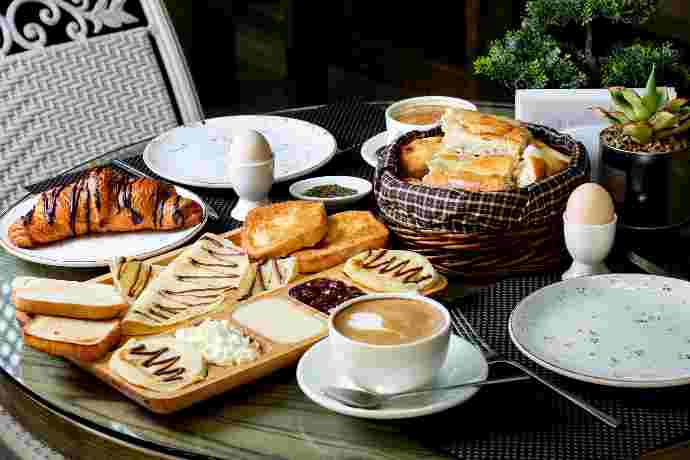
(647, 117)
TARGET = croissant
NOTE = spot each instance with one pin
(102, 201)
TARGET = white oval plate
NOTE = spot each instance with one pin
(623, 330)
(195, 154)
(97, 250)
(370, 147)
(362, 186)
(464, 364)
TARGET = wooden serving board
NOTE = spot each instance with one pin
(221, 379)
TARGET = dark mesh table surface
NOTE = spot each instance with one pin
(515, 421)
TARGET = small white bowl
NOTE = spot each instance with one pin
(362, 186)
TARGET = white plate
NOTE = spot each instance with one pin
(370, 147)
(623, 330)
(195, 154)
(97, 250)
(464, 364)
(362, 186)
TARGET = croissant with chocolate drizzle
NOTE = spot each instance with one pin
(104, 200)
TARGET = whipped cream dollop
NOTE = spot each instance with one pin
(219, 342)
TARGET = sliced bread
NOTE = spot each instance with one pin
(72, 299)
(283, 228)
(72, 338)
(202, 279)
(386, 270)
(349, 233)
(131, 276)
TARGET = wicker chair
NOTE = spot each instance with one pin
(81, 78)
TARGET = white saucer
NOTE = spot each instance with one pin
(370, 147)
(464, 363)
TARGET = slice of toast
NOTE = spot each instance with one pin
(283, 228)
(349, 233)
(71, 299)
(78, 339)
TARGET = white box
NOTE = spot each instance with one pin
(563, 108)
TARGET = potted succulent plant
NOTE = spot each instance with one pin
(645, 155)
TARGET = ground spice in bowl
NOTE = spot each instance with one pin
(329, 191)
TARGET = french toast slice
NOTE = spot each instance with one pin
(349, 233)
(283, 228)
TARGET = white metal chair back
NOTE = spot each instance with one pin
(81, 78)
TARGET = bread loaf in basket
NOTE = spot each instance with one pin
(480, 234)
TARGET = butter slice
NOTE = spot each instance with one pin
(279, 320)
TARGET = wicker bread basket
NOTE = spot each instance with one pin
(481, 234)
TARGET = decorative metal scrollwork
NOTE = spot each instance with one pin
(33, 35)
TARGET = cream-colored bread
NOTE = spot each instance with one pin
(131, 276)
(477, 174)
(415, 155)
(555, 160)
(278, 272)
(280, 229)
(349, 233)
(161, 363)
(474, 133)
(199, 281)
(78, 339)
(532, 169)
(273, 273)
(386, 270)
(72, 299)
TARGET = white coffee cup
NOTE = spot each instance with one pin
(389, 369)
(396, 128)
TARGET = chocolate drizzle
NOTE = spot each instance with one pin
(276, 269)
(166, 369)
(198, 263)
(193, 277)
(177, 216)
(123, 194)
(28, 217)
(389, 265)
(50, 201)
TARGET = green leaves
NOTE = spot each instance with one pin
(544, 14)
(639, 132)
(650, 97)
(527, 58)
(647, 117)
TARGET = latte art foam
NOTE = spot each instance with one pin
(389, 321)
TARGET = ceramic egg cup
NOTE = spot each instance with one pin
(252, 182)
(589, 245)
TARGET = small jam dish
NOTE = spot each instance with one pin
(357, 187)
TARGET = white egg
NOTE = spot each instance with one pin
(590, 204)
(249, 147)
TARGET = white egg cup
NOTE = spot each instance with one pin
(589, 245)
(252, 182)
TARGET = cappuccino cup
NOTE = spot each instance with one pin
(389, 343)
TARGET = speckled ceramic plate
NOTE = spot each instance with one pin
(623, 330)
(464, 364)
(195, 154)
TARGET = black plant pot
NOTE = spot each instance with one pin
(651, 191)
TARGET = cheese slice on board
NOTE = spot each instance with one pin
(209, 273)
(387, 270)
(162, 363)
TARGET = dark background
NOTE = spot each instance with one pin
(261, 55)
